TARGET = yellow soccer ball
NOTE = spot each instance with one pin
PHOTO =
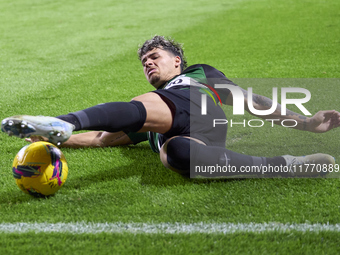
(40, 169)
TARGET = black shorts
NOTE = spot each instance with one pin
(185, 105)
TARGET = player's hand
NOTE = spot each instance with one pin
(324, 121)
(36, 138)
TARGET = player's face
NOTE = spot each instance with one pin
(160, 66)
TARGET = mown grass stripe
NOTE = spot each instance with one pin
(165, 228)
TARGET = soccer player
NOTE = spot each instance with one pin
(172, 119)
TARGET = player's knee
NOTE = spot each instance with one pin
(159, 117)
(175, 155)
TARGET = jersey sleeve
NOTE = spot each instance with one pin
(214, 76)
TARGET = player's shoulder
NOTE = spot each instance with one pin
(205, 70)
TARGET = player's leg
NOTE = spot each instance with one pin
(175, 154)
(147, 112)
(158, 114)
(183, 154)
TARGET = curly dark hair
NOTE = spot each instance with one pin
(167, 44)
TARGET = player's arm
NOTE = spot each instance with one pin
(322, 121)
(97, 139)
(92, 139)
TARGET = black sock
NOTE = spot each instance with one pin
(203, 157)
(70, 118)
(189, 156)
(111, 117)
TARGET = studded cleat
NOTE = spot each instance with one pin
(57, 131)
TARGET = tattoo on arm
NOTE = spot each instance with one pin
(262, 100)
(267, 103)
(304, 125)
(301, 117)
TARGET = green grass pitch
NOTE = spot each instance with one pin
(62, 56)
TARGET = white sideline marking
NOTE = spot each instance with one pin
(164, 228)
